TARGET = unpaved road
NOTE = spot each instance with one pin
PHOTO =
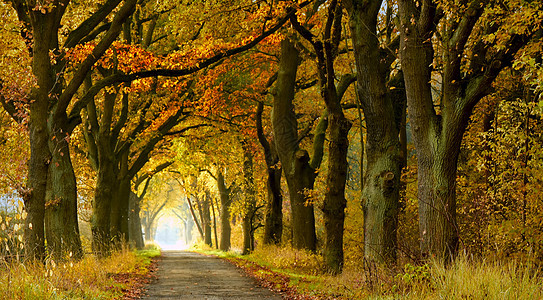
(187, 275)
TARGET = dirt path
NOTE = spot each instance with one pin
(187, 275)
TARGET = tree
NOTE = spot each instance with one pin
(383, 108)
(135, 234)
(273, 226)
(334, 203)
(298, 169)
(452, 36)
(50, 173)
(160, 196)
(249, 207)
(225, 194)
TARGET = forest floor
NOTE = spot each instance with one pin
(189, 275)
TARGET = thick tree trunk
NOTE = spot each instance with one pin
(303, 215)
(299, 174)
(437, 138)
(382, 178)
(273, 225)
(334, 199)
(380, 203)
(119, 212)
(226, 229)
(61, 223)
(106, 185)
(34, 197)
(437, 213)
(44, 32)
(107, 182)
(135, 236)
(246, 226)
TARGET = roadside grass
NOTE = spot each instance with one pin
(301, 273)
(89, 278)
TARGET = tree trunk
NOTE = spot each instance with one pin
(437, 213)
(299, 174)
(34, 196)
(334, 199)
(226, 230)
(380, 194)
(61, 223)
(206, 220)
(44, 32)
(303, 215)
(250, 200)
(106, 185)
(438, 134)
(119, 212)
(135, 236)
(107, 182)
(195, 218)
(273, 224)
(147, 227)
(211, 200)
(189, 224)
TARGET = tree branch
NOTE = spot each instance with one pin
(90, 24)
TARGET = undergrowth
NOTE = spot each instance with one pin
(88, 278)
(465, 278)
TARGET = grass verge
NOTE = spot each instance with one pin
(299, 274)
(119, 276)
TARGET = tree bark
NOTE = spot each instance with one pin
(135, 236)
(226, 201)
(250, 200)
(34, 196)
(106, 185)
(43, 32)
(107, 182)
(380, 194)
(211, 200)
(273, 224)
(299, 174)
(206, 220)
(334, 203)
(195, 218)
(61, 223)
(119, 212)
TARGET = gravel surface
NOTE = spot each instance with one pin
(188, 275)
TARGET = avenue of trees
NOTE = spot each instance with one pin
(360, 130)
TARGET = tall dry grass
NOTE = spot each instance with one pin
(89, 278)
(465, 278)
